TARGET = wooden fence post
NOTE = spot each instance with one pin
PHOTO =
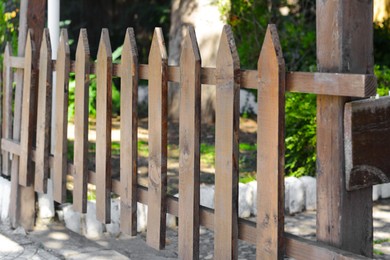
(158, 123)
(103, 128)
(227, 122)
(189, 167)
(81, 124)
(270, 143)
(344, 44)
(129, 134)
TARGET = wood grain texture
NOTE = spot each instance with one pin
(189, 139)
(270, 143)
(103, 128)
(81, 114)
(367, 142)
(344, 219)
(61, 119)
(226, 148)
(129, 133)
(28, 108)
(43, 115)
(337, 84)
(6, 121)
(158, 108)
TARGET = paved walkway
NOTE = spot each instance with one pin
(57, 242)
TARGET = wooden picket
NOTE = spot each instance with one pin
(270, 79)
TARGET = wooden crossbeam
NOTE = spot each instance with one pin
(367, 142)
(320, 83)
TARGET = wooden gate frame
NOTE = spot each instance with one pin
(330, 229)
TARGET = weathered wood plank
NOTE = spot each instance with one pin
(103, 128)
(43, 115)
(341, 48)
(189, 141)
(158, 108)
(337, 84)
(28, 115)
(7, 107)
(366, 142)
(270, 143)
(61, 119)
(226, 148)
(129, 133)
(81, 114)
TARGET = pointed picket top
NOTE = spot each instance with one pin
(63, 47)
(158, 48)
(227, 51)
(82, 52)
(129, 53)
(271, 49)
(45, 44)
(190, 46)
(7, 53)
(30, 48)
(104, 45)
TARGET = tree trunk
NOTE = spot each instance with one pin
(207, 20)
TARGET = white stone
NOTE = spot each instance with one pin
(72, 219)
(295, 194)
(310, 186)
(46, 202)
(171, 221)
(253, 186)
(93, 228)
(113, 228)
(247, 102)
(376, 192)
(207, 195)
(5, 195)
(245, 200)
(385, 190)
(142, 215)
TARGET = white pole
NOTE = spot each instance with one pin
(46, 201)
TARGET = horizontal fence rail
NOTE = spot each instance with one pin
(270, 79)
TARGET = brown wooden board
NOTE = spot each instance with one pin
(81, 114)
(270, 154)
(7, 107)
(367, 142)
(103, 128)
(189, 140)
(61, 119)
(43, 115)
(129, 130)
(28, 109)
(226, 148)
(158, 108)
(344, 219)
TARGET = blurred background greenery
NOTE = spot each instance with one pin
(295, 20)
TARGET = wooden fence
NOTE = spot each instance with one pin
(270, 79)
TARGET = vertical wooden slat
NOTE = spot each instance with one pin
(189, 170)
(226, 147)
(344, 44)
(60, 165)
(129, 125)
(43, 115)
(158, 90)
(103, 128)
(27, 124)
(81, 124)
(7, 107)
(270, 153)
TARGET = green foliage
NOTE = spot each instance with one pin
(300, 134)
(9, 23)
(382, 72)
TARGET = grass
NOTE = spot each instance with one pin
(380, 241)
